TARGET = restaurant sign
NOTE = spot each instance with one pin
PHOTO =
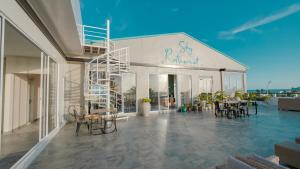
(182, 54)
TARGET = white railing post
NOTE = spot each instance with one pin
(82, 35)
(108, 64)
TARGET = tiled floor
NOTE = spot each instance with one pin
(170, 141)
(15, 144)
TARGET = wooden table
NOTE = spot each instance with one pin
(100, 119)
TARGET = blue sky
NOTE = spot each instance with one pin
(264, 35)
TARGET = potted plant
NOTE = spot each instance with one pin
(190, 108)
(239, 95)
(146, 106)
(183, 108)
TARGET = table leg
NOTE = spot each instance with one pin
(255, 108)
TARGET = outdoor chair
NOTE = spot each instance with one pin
(232, 111)
(288, 153)
(243, 109)
(220, 109)
(79, 120)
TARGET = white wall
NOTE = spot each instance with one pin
(164, 49)
(74, 85)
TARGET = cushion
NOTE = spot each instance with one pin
(233, 163)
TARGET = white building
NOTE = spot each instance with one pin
(50, 62)
(179, 66)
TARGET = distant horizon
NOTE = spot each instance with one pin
(264, 37)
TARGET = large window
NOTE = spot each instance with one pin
(153, 92)
(163, 92)
(233, 81)
(184, 89)
(21, 89)
(159, 92)
(29, 86)
(205, 85)
(52, 95)
(129, 92)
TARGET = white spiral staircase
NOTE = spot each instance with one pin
(107, 64)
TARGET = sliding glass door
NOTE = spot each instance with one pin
(233, 81)
(153, 92)
(48, 109)
(1, 79)
(184, 89)
(52, 95)
(159, 92)
(129, 92)
(205, 85)
(28, 92)
(163, 91)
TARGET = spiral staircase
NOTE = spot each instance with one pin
(105, 66)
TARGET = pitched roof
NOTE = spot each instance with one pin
(182, 33)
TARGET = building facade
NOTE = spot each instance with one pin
(178, 67)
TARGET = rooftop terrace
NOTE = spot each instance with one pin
(171, 141)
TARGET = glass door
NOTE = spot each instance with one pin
(184, 83)
(43, 95)
(205, 85)
(1, 81)
(163, 92)
(48, 95)
(153, 92)
(159, 92)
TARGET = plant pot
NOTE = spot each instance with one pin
(209, 106)
(183, 109)
(146, 108)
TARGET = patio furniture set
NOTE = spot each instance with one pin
(99, 121)
(233, 108)
(287, 152)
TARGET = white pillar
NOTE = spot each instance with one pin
(245, 81)
(108, 63)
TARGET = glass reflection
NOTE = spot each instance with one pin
(129, 92)
(153, 92)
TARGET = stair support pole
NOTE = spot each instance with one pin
(108, 64)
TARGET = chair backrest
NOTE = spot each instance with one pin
(75, 114)
(217, 105)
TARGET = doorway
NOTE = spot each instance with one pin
(172, 91)
(163, 92)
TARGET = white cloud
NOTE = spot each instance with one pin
(174, 9)
(251, 25)
(117, 3)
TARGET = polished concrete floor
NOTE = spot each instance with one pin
(15, 144)
(170, 141)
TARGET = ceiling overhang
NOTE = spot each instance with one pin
(59, 19)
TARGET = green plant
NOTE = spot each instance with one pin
(146, 100)
(205, 97)
(220, 96)
(252, 97)
(264, 98)
(239, 94)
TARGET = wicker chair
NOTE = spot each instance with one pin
(79, 119)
